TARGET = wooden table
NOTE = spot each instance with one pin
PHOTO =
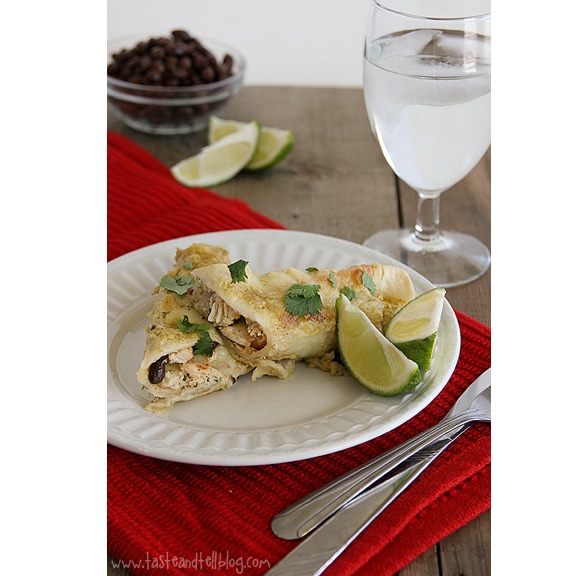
(336, 182)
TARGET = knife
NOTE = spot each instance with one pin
(329, 540)
(304, 515)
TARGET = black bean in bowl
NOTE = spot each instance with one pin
(171, 84)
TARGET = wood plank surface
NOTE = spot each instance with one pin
(336, 182)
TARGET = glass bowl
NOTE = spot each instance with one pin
(175, 110)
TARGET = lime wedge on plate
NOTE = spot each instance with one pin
(371, 358)
(414, 327)
(221, 161)
(275, 144)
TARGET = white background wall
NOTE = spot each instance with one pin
(297, 42)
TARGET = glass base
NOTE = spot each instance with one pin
(451, 260)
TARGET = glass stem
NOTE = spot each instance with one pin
(427, 227)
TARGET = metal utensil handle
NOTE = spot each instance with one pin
(307, 513)
(320, 549)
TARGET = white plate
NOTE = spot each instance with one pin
(270, 420)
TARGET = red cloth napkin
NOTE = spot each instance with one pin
(171, 518)
(147, 205)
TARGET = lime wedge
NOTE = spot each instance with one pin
(218, 128)
(221, 161)
(370, 358)
(414, 327)
(275, 144)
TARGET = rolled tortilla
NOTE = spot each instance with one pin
(177, 366)
(252, 317)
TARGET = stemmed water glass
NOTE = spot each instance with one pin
(427, 89)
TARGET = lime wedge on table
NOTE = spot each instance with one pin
(414, 327)
(275, 144)
(218, 128)
(371, 358)
(220, 161)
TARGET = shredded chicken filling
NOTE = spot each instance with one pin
(242, 332)
(220, 313)
(245, 334)
(181, 370)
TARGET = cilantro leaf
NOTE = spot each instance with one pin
(205, 345)
(238, 271)
(178, 284)
(186, 326)
(368, 281)
(332, 278)
(303, 299)
(312, 269)
(349, 293)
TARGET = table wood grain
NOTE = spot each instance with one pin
(336, 182)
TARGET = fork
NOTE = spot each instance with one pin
(312, 556)
(307, 513)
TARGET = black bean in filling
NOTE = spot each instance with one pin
(157, 371)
